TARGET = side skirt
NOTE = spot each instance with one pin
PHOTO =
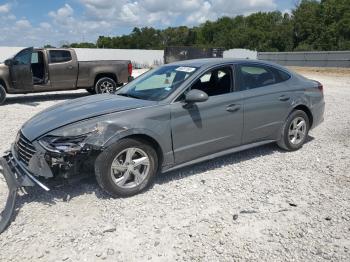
(216, 155)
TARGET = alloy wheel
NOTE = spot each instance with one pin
(107, 87)
(130, 168)
(297, 131)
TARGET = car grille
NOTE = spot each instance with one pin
(24, 149)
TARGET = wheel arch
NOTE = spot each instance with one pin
(2, 82)
(307, 112)
(152, 142)
(109, 75)
(147, 138)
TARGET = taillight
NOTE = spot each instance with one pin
(130, 69)
(320, 86)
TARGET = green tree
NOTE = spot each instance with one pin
(83, 45)
(313, 25)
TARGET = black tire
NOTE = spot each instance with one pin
(105, 85)
(2, 94)
(91, 91)
(104, 162)
(286, 139)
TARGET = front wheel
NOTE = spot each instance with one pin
(295, 131)
(2, 94)
(126, 168)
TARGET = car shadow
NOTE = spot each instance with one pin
(35, 99)
(63, 190)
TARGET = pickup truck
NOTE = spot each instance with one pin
(55, 69)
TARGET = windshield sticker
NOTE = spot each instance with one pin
(185, 69)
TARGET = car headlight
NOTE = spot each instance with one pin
(71, 139)
(65, 144)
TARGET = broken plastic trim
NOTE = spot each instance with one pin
(61, 144)
(7, 213)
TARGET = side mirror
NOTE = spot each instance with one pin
(9, 62)
(196, 96)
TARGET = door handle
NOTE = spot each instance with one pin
(233, 108)
(284, 98)
(70, 67)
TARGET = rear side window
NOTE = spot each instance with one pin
(255, 76)
(283, 75)
(60, 56)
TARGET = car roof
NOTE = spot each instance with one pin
(207, 62)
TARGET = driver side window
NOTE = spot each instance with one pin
(215, 82)
(23, 58)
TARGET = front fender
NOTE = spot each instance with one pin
(130, 132)
(5, 78)
(167, 153)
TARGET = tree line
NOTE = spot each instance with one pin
(312, 25)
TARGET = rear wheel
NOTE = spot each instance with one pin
(126, 168)
(105, 85)
(295, 131)
(2, 94)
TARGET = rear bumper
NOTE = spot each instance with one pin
(318, 114)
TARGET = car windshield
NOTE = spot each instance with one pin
(158, 83)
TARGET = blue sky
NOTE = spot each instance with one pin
(39, 22)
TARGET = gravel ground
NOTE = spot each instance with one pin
(259, 205)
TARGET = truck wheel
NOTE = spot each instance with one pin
(105, 85)
(126, 168)
(2, 94)
(91, 91)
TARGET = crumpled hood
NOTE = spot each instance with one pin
(76, 110)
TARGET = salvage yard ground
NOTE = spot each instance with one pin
(259, 205)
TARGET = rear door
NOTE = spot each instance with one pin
(20, 70)
(63, 69)
(267, 100)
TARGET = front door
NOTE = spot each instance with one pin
(63, 69)
(21, 71)
(208, 127)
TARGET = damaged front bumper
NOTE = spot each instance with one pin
(22, 175)
(12, 186)
(18, 173)
(15, 175)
